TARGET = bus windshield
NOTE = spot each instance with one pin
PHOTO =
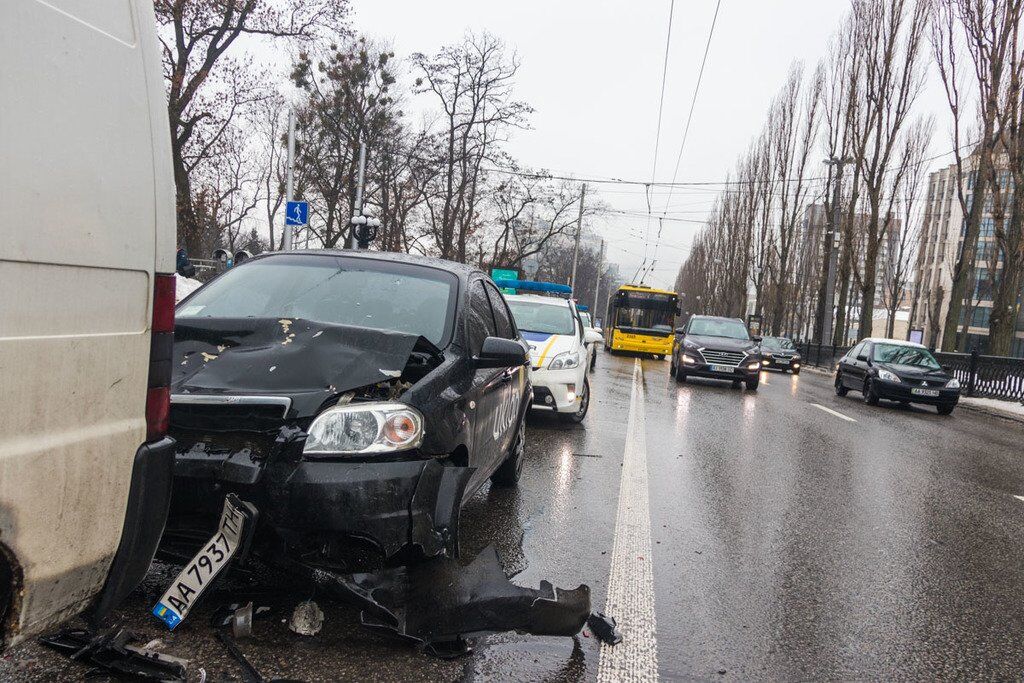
(644, 312)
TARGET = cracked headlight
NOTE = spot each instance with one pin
(888, 376)
(358, 428)
(565, 361)
(953, 384)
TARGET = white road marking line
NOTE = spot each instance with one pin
(631, 582)
(1020, 498)
(833, 412)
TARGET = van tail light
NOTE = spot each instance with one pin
(158, 393)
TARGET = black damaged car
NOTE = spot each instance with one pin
(356, 399)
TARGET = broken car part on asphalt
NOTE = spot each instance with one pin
(113, 652)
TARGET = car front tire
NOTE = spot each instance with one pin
(841, 389)
(507, 475)
(870, 394)
(680, 375)
(752, 383)
(945, 410)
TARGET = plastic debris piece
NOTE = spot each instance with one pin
(605, 628)
(307, 619)
(241, 622)
(113, 652)
(250, 674)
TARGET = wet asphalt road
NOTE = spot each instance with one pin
(787, 543)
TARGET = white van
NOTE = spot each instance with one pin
(87, 225)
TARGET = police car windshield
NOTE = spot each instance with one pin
(382, 295)
(534, 316)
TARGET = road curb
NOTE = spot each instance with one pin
(994, 412)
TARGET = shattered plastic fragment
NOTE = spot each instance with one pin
(207, 357)
(438, 602)
(605, 628)
(390, 373)
(112, 651)
(307, 619)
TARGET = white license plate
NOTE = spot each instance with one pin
(721, 368)
(202, 570)
(925, 392)
(782, 361)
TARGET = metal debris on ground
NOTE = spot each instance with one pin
(241, 621)
(250, 674)
(307, 619)
(438, 602)
(605, 628)
(112, 652)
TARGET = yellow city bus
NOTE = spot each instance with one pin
(640, 320)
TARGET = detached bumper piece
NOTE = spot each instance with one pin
(438, 603)
(114, 653)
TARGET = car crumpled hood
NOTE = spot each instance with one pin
(722, 343)
(304, 360)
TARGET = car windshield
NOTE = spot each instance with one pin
(535, 316)
(899, 354)
(333, 289)
(777, 344)
(712, 327)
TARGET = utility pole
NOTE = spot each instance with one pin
(579, 229)
(597, 281)
(357, 208)
(290, 182)
(826, 295)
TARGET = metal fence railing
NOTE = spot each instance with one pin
(986, 376)
(821, 355)
(980, 376)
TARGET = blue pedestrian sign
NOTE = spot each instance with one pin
(296, 213)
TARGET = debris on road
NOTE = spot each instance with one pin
(439, 602)
(605, 628)
(250, 674)
(112, 652)
(307, 619)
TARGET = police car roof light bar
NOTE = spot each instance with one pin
(532, 286)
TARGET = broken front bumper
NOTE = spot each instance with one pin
(334, 513)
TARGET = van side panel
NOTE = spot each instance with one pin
(86, 220)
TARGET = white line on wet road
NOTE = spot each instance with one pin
(631, 583)
(1020, 498)
(833, 412)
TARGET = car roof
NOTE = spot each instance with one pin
(536, 298)
(716, 317)
(460, 269)
(894, 342)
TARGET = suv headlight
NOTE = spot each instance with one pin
(888, 376)
(953, 384)
(565, 361)
(358, 428)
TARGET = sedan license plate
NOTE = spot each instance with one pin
(782, 361)
(721, 368)
(933, 393)
(236, 524)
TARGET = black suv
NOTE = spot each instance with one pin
(897, 371)
(719, 348)
(356, 399)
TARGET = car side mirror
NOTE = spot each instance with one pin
(592, 336)
(498, 352)
(757, 338)
(862, 358)
(680, 330)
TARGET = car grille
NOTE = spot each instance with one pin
(925, 382)
(723, 357)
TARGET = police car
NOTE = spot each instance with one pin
(558, 347)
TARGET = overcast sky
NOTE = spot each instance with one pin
(592, 70)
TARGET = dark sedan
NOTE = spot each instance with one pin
(717, 348)
(356, 399)
(896, 371)
(779, 353)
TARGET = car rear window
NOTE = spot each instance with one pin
(382, 295)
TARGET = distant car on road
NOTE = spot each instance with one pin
(779, 353)
(356, 398)
(897, 371)
(717, 348)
